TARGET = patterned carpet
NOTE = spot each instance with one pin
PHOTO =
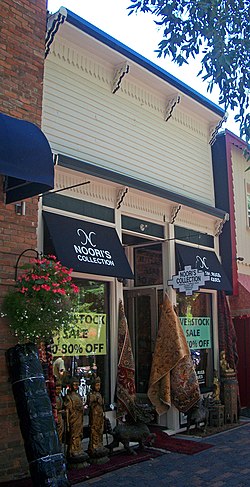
(177, 445)
(117, 460)
(120, 459)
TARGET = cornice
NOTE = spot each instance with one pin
(119, 80)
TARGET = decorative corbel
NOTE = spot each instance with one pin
(53, 23)
(120, 197)
(120, 72)
(215, 129)
(55, 159)
(219, 225)
(171, 104)
(174, 212)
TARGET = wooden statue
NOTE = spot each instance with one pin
(216, 387)
(73, 404)
(224, 365)
(60, 411)
(96, 418)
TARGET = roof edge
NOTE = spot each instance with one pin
(129, 53)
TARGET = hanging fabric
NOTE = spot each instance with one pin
(126, 392)
(172, 379)
(226, 331)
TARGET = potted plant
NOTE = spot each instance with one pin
(43, 300)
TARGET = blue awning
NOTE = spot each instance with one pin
(87, 247)
(206, 261)
(26, 159)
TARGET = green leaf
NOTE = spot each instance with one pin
(221, 31)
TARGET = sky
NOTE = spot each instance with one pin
(140, 33)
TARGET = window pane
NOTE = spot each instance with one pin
(195, 313)
(144, 342)
(148, 265)
(92, 355)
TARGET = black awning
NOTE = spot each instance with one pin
(25, 159)
(206, 261)
(87, 247)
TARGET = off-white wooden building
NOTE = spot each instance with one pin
(132, 147)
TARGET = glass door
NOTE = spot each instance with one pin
(141, 308)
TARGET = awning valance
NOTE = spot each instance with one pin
(87, 247)
(25, 159)
(205, 261)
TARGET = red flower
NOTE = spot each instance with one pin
(52, 257)
(35, 276)
(36, 288)
(74, 288)
(23, 290)
(46, 287)
(59, 291)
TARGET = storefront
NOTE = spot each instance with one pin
(132, 148)
(139, 268)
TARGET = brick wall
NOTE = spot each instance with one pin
(22, 33)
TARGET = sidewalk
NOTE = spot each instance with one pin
(226, 464)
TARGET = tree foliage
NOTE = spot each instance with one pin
(218, 31)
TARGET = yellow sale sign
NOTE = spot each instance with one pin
(88, 337)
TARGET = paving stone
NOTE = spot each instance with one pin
(226, 464)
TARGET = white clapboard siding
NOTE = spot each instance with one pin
(83, 119)
(241, 180)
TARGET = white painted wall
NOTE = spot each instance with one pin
(125, 132)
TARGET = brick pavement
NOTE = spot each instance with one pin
(226, 464)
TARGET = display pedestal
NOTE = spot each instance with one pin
(229, 392)
(217, 415)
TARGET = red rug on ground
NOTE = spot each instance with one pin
(177, 445)
(122, 459)
(117, 460)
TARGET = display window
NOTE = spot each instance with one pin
(84, 348)
(148, 265)
(195, 313)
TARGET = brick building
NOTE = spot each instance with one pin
(22, 31)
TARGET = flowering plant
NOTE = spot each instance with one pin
(43, 300)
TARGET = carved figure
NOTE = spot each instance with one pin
(225, 368)
(60, 412)
(74, 418)
(59, 368)
(198, 414)
(216, 387)
(125, 433)
(96, 418)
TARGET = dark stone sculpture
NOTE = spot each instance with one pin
(125, 433)
(198, 414)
